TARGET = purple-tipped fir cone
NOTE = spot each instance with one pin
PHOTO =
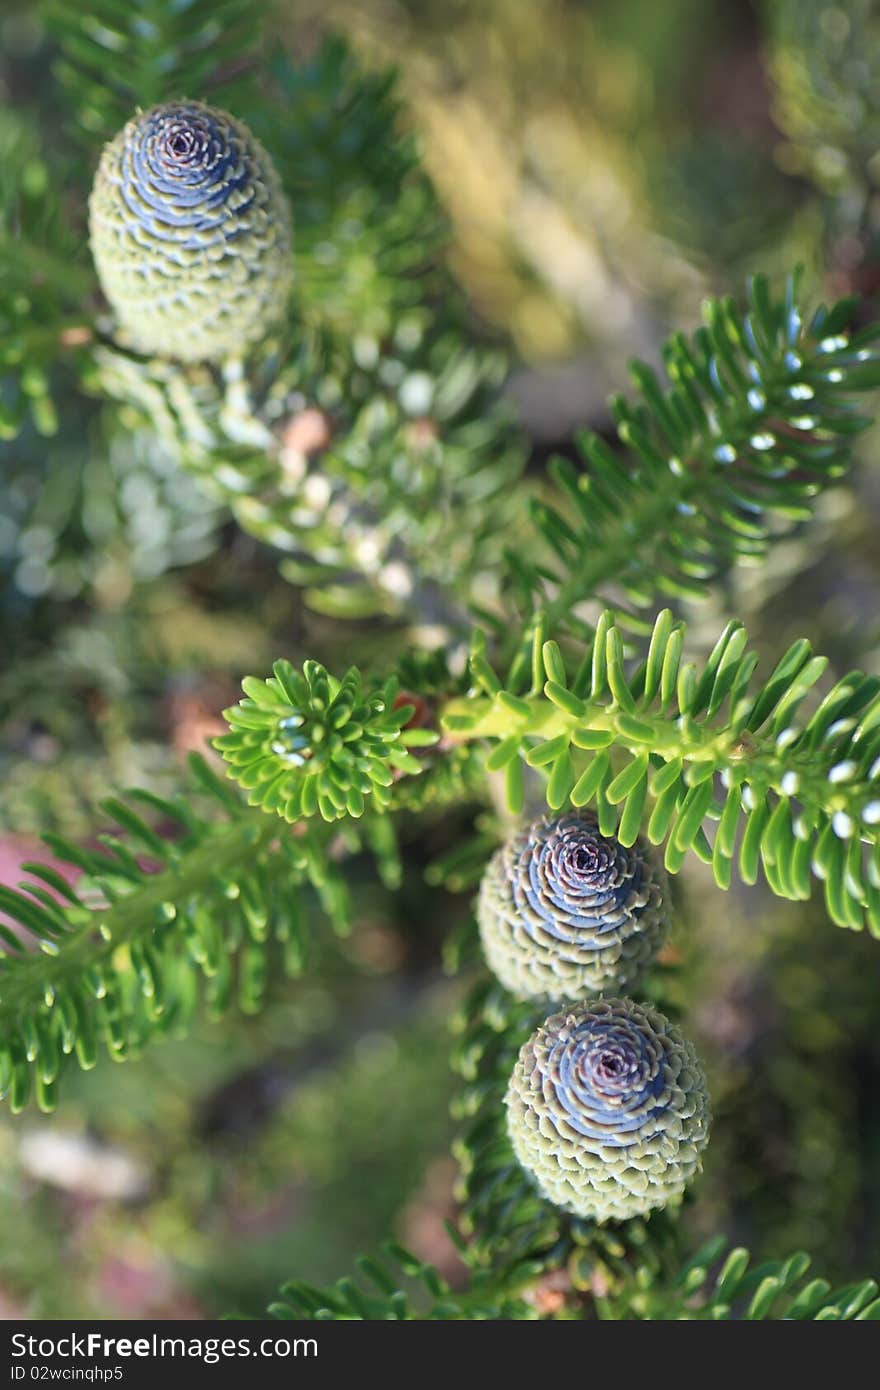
(607, 1108)
(565, 912)
(191, 234)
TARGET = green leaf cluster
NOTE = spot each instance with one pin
(671, 745)
(399, 1288)
(172, 910)
(305, 743)
(753, 425)
(114, 58)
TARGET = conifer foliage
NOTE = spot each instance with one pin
(266, 307)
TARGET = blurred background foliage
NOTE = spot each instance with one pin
(601, 165)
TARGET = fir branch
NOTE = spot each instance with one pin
(405, 486)
(739, 1291)
(119, 958)
(387, 1298)
(645, 746)
(118, 55)
(755, 424)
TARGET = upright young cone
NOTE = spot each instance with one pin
(191, 233)
(607, 1108)
(566, 912)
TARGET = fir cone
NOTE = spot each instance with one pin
(607, 1108)
(565, 912)
(190, 232)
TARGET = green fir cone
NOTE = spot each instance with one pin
(191, 234)
(566, 913)
(607, 1108)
